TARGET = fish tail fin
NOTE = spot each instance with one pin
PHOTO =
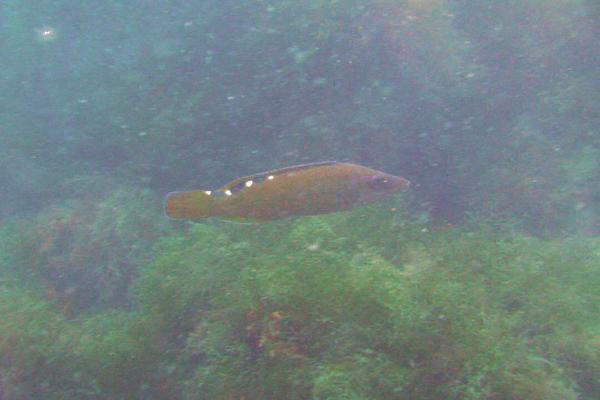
(195, 204)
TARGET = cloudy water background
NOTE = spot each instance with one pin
(480, 282)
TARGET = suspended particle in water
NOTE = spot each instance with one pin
(45, 34)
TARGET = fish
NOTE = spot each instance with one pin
(299, 190)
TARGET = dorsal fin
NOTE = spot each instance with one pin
(240, 183)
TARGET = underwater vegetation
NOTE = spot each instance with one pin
(85, 252)
(318, 308)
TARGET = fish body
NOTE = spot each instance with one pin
(306, 189)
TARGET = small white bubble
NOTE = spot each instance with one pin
(270, 177)
(228, 192)
(46, 34)
(208, 192)
(249, 183)
(314, 246)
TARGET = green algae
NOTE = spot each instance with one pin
(324, 311)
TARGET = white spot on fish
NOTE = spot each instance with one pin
(270, 177)
(228, 192)
(249, 183)
(208, 192)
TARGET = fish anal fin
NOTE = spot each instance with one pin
(242, 220)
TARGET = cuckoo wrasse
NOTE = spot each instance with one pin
(306, 189)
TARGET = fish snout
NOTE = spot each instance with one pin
(401, 183)
(387, 184)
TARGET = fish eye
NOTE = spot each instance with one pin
(379, 183)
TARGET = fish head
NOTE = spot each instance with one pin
(379, 185)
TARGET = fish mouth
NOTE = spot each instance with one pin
(402, 183)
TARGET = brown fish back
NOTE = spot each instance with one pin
(240, 183)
